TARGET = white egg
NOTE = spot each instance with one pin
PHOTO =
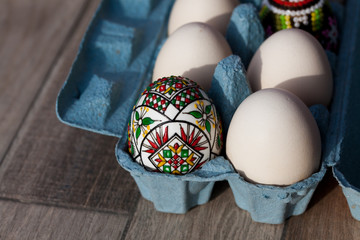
(273, 139)
(294, 60)
(193, 51)
(216, 13)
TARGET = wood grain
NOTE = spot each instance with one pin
(328, 216)
(218, 219)
(32, 34)
(58, 182)
(29, 221)
(53, 163)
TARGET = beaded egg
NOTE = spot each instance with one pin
(174, 127)
(313, 16)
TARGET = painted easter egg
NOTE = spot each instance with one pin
(174, 127)
(313, 16)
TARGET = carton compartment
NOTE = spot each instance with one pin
(115, 63)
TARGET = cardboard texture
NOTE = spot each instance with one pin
(115, 63)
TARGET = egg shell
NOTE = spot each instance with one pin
(273, 139)
(193, 51)
(174, 127)
(213, 12)
(294, 60)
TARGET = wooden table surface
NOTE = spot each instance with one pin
(58, 182)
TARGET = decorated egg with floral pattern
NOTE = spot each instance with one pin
(313, 16)
(174, 127)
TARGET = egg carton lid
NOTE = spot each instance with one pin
(113, 65)
(115, 61)
(345, 113)
(116, 57)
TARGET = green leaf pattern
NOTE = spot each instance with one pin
(138, 132)
(208, 109)
(196, 114)
(205, 116)
(208, 126)
(141, 123)
(147, 121)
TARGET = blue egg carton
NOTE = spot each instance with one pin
(114, 65)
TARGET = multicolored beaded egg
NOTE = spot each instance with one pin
(174, 127)
(313, 16)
